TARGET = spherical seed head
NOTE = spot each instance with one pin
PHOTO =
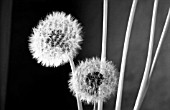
(89, 79)
(55, 38)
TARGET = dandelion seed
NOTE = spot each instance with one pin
(55, 38)
(87, 80)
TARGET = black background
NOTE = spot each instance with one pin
(32, 86)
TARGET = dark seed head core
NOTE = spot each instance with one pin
(94, 80)
(57, 39)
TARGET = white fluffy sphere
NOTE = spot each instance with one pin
(55, 38)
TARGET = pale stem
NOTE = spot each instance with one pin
(157, 52)
(124, 55)
(79, 104)
(94, 107)
(104, 32)
(160, 43)
(144, 82)
(104, 39)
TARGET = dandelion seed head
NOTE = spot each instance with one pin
(55, 38)
(89, 78)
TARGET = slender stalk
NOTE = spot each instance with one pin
(94, 107)
(104, 34)
(125, 50)
(157, 53)
(160, 42)
(144, 82)
(104, 39)
(79, 104)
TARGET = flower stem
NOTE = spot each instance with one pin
(79, 104)
(104, 34)
(160, 42)
(144, 82)
(104, 39)
(124, 55)
(94, 107)
(156, 54)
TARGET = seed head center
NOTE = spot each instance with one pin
(58, 39)
(94, 80)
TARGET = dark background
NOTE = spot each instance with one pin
(30, 86)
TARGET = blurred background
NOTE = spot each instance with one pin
(26, 85)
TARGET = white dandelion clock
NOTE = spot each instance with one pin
(88, 78)
(55, 39)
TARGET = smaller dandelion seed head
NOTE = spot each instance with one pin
(89, 79)
(55, 38)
